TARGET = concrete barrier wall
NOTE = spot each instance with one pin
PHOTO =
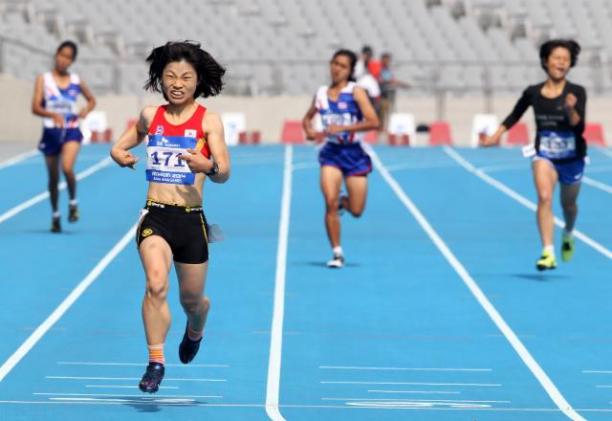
(267, 114)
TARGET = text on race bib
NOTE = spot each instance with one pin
(164, 164)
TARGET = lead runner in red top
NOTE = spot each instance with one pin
(185, 145)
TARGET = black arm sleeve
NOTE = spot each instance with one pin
(519, 109)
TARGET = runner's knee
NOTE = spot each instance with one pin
(157, 284)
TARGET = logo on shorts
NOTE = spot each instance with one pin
(146, 232)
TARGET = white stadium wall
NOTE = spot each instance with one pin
(266, 114)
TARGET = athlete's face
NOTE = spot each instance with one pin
(340, 68)
(63, 59)
(179, 82)
(558, 63)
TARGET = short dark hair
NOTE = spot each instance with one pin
(209, 71)
(569, 44)
(70, 44)
(352, 58)
(366, 49)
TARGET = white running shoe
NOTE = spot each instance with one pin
(337, 262)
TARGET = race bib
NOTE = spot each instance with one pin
(163, 162)
(334, 119)
(557, 145)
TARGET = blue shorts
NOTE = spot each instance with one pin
(569, 172)
(53, 138)
(351, 159)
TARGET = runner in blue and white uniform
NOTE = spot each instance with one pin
(346, 112)
(560, 148)
(55, 99)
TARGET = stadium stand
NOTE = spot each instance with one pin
(518, 135)
(480, 42)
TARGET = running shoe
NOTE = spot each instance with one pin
(152, 378)
(188, 348)
(546, 261)
(336, 262)
(567, 247)
(73, 213)
(56, 226)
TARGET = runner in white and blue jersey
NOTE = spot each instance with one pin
(55, 99)
(346, 112)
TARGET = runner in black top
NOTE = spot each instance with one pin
(559, 107)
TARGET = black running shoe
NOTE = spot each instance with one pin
(73, 213)
(152, 378)
(56, 226)
(188, 348)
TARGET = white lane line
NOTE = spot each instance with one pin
(597, 184)
(125, 396)
(604, 386)
(492, 168)
(522, 200)
(305, 165)
(340, 367)
(118, 386)
(44, 327)
(120, 364)
(416, 392)
(18, 158)
(398, 404)
(411, 400)
(123, 400)
(411, 383)
(166, 379)
(599, 169)
(597, 371)
(412, 166)
(278, 314)
(605, 151)
(301, 406)
(42, 196)
(482, 299)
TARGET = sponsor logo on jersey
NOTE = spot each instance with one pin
(146, 232)
(342, 105)
(159, 129)
(191, 133)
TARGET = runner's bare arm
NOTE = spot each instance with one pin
(132, 137)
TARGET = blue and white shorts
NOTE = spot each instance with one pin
(351, 159)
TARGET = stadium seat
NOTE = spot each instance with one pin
(249, 138)
(371, 137)
(398, 139)
(518, 135)
(483, 124)
(292, 132)
(594, 134)
(402, 129)
(439, 133)
(233, 124)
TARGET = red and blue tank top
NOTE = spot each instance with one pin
(167, 142)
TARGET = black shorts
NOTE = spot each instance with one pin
(184, 229)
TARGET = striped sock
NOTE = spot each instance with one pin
(156, 354)
(194, 335)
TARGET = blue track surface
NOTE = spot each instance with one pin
(396, 334)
